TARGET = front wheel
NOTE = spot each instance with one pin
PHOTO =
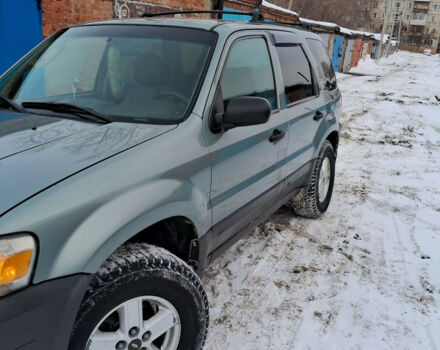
(314, 200)
(142, 298)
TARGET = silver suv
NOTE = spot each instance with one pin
(132, 154)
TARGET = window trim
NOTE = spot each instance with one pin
(254, 36)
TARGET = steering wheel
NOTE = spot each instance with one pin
(180, 97)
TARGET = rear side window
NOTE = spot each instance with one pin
(297, 75)
(248, 72)
(325, 68)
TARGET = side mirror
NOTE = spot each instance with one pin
(243, 111)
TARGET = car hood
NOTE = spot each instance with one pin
(37, 152)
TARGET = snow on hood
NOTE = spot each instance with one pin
(37, 152)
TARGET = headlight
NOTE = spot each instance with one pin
(17, 256)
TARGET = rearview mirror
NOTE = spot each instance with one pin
(244, 111)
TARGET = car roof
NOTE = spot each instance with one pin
(220, 26)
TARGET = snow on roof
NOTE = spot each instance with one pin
(344, 30)
(316, 23)
(278, 8)
(377, 37)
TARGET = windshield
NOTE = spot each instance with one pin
(130, 73)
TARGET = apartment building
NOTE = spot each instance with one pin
(415, 23)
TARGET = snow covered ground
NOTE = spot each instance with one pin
(367, 274)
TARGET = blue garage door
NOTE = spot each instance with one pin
(338, 48)
(20, 29)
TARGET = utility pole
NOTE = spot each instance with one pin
(382, 35)
(393, 19)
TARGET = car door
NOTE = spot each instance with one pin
(245, 161)
(302, 105)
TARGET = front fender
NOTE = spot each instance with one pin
(155, 201)
(80, 221)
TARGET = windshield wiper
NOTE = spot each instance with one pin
(11, 104)
(81, 112)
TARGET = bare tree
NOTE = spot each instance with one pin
(353, 14)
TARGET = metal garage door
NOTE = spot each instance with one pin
(20, 29)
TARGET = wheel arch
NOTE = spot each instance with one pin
(333, 138)
(176, 233)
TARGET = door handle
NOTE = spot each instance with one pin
(318, 116)
(277, 135)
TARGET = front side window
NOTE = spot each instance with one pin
(248, 72)
(297, 75)
(129, 73)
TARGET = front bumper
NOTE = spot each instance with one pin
(41, 317)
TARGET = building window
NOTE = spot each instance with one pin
(408, 5)
(385, 4)
(421, 6)
(374, 15)
(383, 15)
(375, 4)
(397, 5)
(433, 19)
(419, 16)
(407, 17)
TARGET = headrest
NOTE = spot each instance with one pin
(148, 70)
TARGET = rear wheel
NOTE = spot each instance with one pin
(145, 298)
(314, 200)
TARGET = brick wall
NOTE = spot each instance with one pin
(58, 14)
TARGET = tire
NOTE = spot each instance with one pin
(141, 270)
(308, 203)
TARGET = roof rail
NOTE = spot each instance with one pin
(255, 14)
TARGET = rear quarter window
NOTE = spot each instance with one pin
(325, 69)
